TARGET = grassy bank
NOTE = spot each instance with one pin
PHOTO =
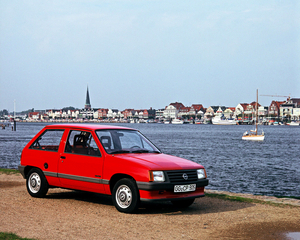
(11, 236)
(9, 171)
(249, 200)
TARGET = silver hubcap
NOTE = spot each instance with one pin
(34, 183)
(124, 196)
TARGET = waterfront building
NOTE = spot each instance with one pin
(34, 116)
(54, 113)
(296, 114)
(73, 113)
(151, 113)
(209, 113)
(191, 112)
(239, 109)
(288, 110)
(229, 112)
(113, 113)
(172, 110)
(183, 112)
(102, 113)
(249, 112)
(128, 113)
(88, 113)
(159, 114)
(274, 109)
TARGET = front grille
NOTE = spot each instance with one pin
(177, 176)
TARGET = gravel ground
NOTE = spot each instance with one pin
(66, 214)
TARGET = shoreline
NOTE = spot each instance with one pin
(67, 214)
(286, 200)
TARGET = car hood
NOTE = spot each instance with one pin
(159, 161)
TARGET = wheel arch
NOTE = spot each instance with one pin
(115, 178)
(27, 169)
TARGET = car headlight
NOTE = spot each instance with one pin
(157, 176)
(201, 173)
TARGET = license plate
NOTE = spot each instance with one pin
(185, 188)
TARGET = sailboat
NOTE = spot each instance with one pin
(253, 136)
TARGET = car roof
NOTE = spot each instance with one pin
(87, 126)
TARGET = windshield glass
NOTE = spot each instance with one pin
(125, 141)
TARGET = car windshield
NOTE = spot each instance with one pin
(125, 141)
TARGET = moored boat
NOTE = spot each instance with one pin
(253, 136)
(293, 124)
(177, 121)
(217, 120)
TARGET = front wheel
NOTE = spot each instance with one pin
(126, 196)
(36, 182)
(183, 203)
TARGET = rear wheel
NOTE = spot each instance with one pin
(36, 182)
(126, 196)
(183, 203)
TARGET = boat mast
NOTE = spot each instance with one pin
(256, 114)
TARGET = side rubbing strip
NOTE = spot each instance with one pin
(50, 174)
(77, 178)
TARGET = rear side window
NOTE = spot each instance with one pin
(48, 140)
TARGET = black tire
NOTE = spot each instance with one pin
(125, 196)
(36, 183)
(183, 203)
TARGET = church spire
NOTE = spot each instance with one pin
(87, 101)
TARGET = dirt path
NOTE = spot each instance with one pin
(66, 214)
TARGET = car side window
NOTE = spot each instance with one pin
(81, 142)
(48, 140)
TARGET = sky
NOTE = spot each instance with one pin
(147, 53)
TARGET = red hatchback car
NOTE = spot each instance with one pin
(110, 160)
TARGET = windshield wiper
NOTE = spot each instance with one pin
(119, 151)
(140, 151)
(155, 152)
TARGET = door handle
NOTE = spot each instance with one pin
(62, 157)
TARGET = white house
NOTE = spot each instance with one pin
(170, 112)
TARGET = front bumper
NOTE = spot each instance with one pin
(150, 191)
(152, 186)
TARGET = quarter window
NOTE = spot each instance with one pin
(49, 140)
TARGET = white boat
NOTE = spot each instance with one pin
(252, 135)
(177, 121)
(293, 124)
(217, 120)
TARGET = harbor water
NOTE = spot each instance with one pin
(271, 167)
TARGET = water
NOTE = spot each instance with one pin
(270, 167)
(293, 235)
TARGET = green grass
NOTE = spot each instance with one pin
(11, 236)
(9, 171)
(247, 200)
(287, 197)
(233, 198)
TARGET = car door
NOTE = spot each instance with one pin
(81, 163)
(44, 154)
